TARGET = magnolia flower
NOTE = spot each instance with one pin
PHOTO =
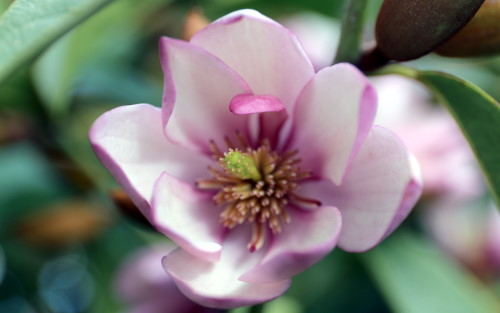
(141, 283)
(256, 166)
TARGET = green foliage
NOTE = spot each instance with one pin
(28, 27)
(417, 278)
(90, 54)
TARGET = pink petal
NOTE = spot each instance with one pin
(248, 104)
(378, 192)
(216, 284)
(188, 217)
(198, 90)
(140, 276)
(130, 143)
(334, 113)
(307, 239)
(272, 114)
(268, 56)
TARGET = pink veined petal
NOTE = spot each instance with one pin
(307, 239)
(197, 92)
(216, 284)
(188, 217)
(130, 143)
(268, 56)
(248, 104)
(378, 192)
(334, 113)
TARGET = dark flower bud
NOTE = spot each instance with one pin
(408, 29)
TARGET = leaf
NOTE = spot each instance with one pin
(29, 26)
(477, 114)
(2, 265)
(417, 278)
(103, 45)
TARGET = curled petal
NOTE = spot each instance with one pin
(217, 284)
(188, 217)
(378, 192)
(308, 238)
(248, 104)
(130, 143)
(334, 113)
(197, 92)
(268, 56)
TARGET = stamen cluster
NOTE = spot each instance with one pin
(255, 185)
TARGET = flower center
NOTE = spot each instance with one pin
(255, 186)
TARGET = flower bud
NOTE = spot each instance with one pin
(408, 29)
(480, 37)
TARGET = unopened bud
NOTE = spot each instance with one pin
(480, 37)
(408, 29)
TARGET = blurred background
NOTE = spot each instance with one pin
(71, 243)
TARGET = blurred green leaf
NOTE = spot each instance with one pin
(3, 6)
(2, 265)
(29, 26)
(339, 280)
(103, 45)
(27, 183)
(417, 278)
(477, 114)
(283, 304)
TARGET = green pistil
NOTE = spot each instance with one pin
(240, 165)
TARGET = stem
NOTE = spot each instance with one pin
(371, 60)
(396, 69)
(349, 49)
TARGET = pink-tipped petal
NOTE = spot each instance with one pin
(248, 104)
(197, 92)
(308, 238)
(188, 217)
(130, 143)
(378, 192)
(268, 56)
(271, 118)
(216, 284)
(334, 113)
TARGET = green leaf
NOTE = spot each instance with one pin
(477, 114)
(417, 278)
(2, 265)
(101, 46)
(29, 26)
